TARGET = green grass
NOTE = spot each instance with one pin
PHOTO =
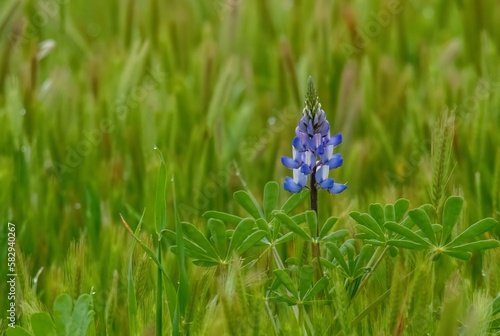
(218, 87)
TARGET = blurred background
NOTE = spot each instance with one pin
(89, 88)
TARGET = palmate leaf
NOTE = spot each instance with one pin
(218, 235)
(251, 241)
(42, 324)
(477, 245)
(225, 217)
(285, 279)
(305, 280)
(377, 213)
(474, 230)
(192, 233)
(294, 201)
(400, 208)
(451, 212)
(408, 234)
(312, 222)
(337, 255)
(248, 203)
(425, 238)
(389, 213)
(292, 225)
(423, 221)
(271, 194)
(318, 287)
(330, 222)
(336, 235)
(241, 232)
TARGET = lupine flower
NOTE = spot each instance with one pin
(313, 148)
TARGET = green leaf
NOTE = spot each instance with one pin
(366, 251)
(367, 232)
(285, 279)
(194, 251)
(423, 221)
(18, 331)
(251, 241)
(338, 256)
(63, 306)
(459, 255)
(218, 231)
(284, 298)
(373, 225)
(408, 223)
(241, 232)
(199, 239)
(248, 203)
(451, 212)
(298, 218)
(305, 280)
(42, 324)
(477, 245)
(225, 217)
(407, 233)
(312, 222)
(336, 235)
(318, 287)
(389, 213)
(377, 212)
(330, 222)
(82, 315)
(474, 230)
(357, 217)
(292, 226)
(294, 201)
(263, 225)
(271, 194)
(429, 209)
(407, 244)
(400, 208)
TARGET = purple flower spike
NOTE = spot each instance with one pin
(313, 149)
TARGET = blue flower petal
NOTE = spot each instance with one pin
(305, 169)
(289, 162)
(335, 162)
(320, 150)
(297, 144)
(336, 139)
(291, 186)
(310, 128)
(327, 184)
(337, 188)
(325, 128)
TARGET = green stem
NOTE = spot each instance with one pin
(316, 251)
(159, 299)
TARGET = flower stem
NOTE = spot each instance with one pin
(314, 195)
(316, 252)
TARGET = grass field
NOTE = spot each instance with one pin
(95, 95)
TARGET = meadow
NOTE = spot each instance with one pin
(139, 138)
